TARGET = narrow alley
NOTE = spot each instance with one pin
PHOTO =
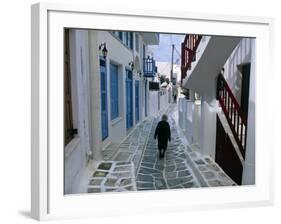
(113, 105)
(134, 164)
(170, 172)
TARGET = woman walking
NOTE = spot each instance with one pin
(163, 134)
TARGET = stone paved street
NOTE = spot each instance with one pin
(124, 158)
(168, 173)
(112, 176)
(134, 164)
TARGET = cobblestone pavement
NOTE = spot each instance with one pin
(123, 160)
(169, 173)
(207, 171)
(112, 176)
(134, 164)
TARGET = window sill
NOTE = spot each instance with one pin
(71, 146)
(116, 120)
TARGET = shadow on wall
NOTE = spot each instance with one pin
(233, 75)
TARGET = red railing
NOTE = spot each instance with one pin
(233, 113)
(188, 52)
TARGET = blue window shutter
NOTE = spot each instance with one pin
(132, 40)
(103, 89)
(120, 35)
(114, 91)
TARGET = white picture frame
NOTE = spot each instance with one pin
(48, 201)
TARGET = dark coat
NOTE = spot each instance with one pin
(163, 134)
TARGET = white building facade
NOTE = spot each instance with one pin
(221, 124)
(107, 75)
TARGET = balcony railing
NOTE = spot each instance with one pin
(233, 113)
(188, 52)
(149, 67)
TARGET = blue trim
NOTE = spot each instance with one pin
(129, 99)
(103, 90)
(120, 35)
(114, 102)
(137, 101)
(145, 97)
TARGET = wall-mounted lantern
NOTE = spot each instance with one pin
(139, 73)
(131, 64)
(102, 50)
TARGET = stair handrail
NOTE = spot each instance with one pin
(233, 113)
(188, 52)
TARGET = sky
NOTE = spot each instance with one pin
(163, 51)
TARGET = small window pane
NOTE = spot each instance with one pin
(137, 42)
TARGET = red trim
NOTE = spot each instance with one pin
(233, 113)
(188, 52)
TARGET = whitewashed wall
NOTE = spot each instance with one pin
(164, 99)
(249, 165)
(189, 120)
(153, 102)
(244, 53)
(142, 97)
(87, 105)
(240, 56)
(117, 127)
(208, 128)
(74, 162)
(77, 150)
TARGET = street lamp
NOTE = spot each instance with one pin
(131, 64)
(103, 51)
(139, 73)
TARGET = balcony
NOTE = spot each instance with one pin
(204, 62)
(151, 38)
(188, 54)
(149, 67)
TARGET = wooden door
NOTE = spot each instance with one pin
(226, 155)
(245, 88)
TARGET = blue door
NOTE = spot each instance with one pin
(145, 98)
(103, 90)
(137, 107)
(129, 99)
(114, 91)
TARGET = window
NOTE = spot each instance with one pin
(114, 91)
(137, 42)
(120, 35)
(128, 39)
(125, 39)
(131, 38)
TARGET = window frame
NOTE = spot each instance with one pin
(137, 47)
(114, 92)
